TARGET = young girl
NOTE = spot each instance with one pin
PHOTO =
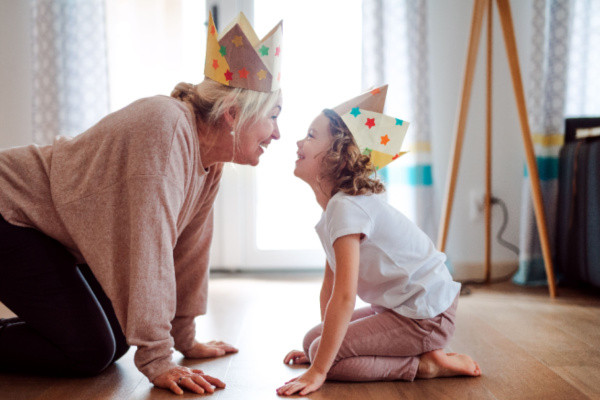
(374, 251)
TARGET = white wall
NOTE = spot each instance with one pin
(449, 25)
(15, 74)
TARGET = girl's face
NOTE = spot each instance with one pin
(255, 138)
(311, 150)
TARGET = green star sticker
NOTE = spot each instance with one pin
(223, 51)
(264, 50)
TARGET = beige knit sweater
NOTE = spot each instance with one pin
(131, 198)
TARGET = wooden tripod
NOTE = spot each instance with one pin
(513, 61)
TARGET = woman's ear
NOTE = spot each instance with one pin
(231, 116)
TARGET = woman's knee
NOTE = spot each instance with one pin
(91, 357)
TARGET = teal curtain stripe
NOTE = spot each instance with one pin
(413, 175)
(547, 168)
(532, 272)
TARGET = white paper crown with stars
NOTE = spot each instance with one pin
(237, 58)
(377, 135)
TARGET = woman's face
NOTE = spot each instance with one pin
(256, 137)
(311, 150)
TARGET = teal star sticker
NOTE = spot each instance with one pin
(355, 111)
(399, 121)
(264, 50)
(223, 51)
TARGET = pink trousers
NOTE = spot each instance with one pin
(384, 346)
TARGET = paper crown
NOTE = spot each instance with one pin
(377, 135)
(237, 58)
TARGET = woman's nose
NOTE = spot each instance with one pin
(276, 135)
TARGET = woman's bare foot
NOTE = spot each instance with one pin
(437, 364)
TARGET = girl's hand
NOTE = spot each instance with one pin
(210, 349)
(296, 357)
(308, 382)
(193, 380)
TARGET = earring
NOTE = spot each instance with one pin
(232, 133)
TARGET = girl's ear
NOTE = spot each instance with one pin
(231, 116)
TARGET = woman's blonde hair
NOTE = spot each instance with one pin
(211, 100)
(344, 164)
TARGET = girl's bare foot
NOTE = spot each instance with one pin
(437, 364)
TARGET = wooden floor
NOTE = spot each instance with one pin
(528, 346)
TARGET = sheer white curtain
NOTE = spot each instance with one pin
(70, 81)
(564, 80)
(395, 52)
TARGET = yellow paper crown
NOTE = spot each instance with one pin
(377, 135)
(236, 57)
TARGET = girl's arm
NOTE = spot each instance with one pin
(326, 289)
(337, 317)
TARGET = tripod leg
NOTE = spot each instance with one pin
(513, 61)
(488, 146)
(475, 34)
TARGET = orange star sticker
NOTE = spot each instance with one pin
(384, 140)
(243, 73)
(212, 30)
(262, 74)
(237, 41)
(215, 64)
(375, 91)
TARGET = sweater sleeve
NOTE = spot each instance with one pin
(192, 267)
(127, 233)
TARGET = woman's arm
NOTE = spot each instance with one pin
(326, 289)
(337, 317)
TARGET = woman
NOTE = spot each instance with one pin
(105, 237)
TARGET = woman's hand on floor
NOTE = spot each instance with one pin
(210, 349)
(296, 357)
(308, 382)
(179, 378)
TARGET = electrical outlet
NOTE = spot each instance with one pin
(476, 204)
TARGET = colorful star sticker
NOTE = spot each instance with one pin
(384, 140)
(278, 77)
(243, 73)
(375, 91)
(223, 50)
(396, 156)
(355, 111)
(370, 122)
(228, 75)
(264, 50)
(237, 40)
(212, 30)
(277, 50)
(262, 74)
(215, 63)
(399, 121)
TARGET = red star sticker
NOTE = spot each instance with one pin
(370, 122)
(215, 64)
(384, 140)
(277, 50)
(375, 91)
(396, 156)
(228, 75)
(243, 73)
(212, 30)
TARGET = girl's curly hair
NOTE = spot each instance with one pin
(349, 170)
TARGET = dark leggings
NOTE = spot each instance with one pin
(66, 324)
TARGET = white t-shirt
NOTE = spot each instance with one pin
(400, 269)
